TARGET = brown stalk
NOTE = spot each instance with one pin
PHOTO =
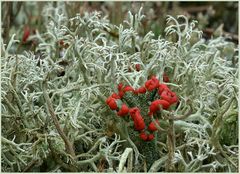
(171, 147)
(68, 144)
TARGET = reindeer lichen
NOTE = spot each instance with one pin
(54, 110)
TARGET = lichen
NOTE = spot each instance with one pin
(53, 105)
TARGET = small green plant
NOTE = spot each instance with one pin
(54, 112)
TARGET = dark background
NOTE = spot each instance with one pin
(211, 15)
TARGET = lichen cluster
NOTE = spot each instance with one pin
(54, 110)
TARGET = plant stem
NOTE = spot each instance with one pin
(68, 144)
(171, 146)
(217, 125)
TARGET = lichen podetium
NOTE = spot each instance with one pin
(140, 107)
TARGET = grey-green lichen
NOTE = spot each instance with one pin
(62, 123)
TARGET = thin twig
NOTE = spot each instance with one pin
(171, 146)
(68, 144)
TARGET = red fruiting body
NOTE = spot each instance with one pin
(120, 90)
(169, 96)
(152, 126)
(133, 111)
(121, 94)
(162, 87)
(142, 90)
(26, 34)
(146, 137)
(138, 67)
(123, 111)
(111, 103)
(165, 78)
(137, 118)
(128, 88)
(114, 95)
(154, 107)
(150, 137)
(61, 42)
(152, 84)
(138, 122)
(135, 91)
(143, 136)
